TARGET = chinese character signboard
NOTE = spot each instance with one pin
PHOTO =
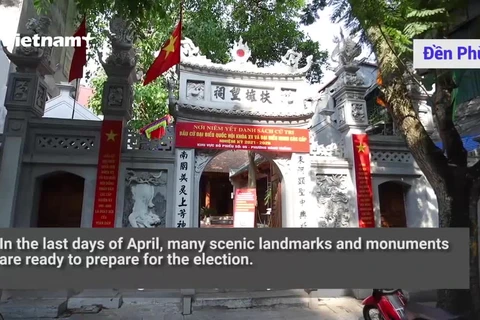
(363, 180)
(244, 208)
(107, 174)
(241, 94)
(240, 137)
(301, 163)
(184, 160)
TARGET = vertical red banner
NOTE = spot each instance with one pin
(363, 180)
(244, 208)
(107, 174)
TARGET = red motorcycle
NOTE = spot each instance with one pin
(388, 304)
(385, 304)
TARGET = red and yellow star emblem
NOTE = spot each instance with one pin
(111, 136)
(171, 46)
(361, 147)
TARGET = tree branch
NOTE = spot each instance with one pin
(443, 112)
(430, 159)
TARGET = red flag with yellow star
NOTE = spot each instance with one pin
(168, 57)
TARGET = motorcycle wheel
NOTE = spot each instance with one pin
(367, 310)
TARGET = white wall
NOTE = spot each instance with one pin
(420, 201)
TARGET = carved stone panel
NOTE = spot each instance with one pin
(202, 158)
(358, 112)
(115, 96)
(331, 192)
(41, 98)
(195, 90)
(341, 115)
(288, 96)
(20, 91)
(145, 203)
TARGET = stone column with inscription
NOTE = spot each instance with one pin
(117, 102)
(25, 100)
(351, 114)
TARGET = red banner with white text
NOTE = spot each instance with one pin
(241, 137)
(107, 174)
(363, 180)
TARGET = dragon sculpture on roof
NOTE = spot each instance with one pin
(345, 51)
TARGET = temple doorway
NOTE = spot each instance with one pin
(392, 204)
(227, 172)
(60, 201)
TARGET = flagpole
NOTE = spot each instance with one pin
(75, 98)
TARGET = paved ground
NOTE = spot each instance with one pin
(330, 309)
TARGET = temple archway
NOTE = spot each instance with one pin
(60, 200)
(216, 185)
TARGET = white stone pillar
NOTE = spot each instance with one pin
(351, 114)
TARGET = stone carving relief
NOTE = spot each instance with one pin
(31, 58)
(145, 199)
(288, 96)
(330, 150)
(358, 112)
(202, 158)
(426, 117)
(283, 164)
(240, 53)
(341, 115)
(20, 91)
(191, 52)
(346, 50)
(115, 96)
(291, 58)
(122, 55)
(195, 90)
(41, 98)
(331, 192)
(353, 79)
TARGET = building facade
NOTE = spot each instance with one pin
(48, 167)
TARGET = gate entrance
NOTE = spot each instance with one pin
(223, 175)
(226, 111)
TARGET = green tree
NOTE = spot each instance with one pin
(214, 25)
(389, 27)
(149, 103)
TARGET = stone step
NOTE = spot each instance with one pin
(109, 299)
(167, 300)
(252, 299)
(33, 308)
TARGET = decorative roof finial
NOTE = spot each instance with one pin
(345, 51)
(240, 51)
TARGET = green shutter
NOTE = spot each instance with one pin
(468, 86)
